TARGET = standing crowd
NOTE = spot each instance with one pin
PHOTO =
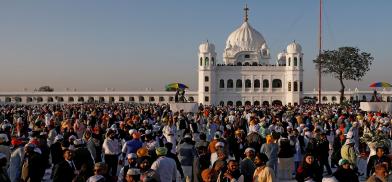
(149, 142)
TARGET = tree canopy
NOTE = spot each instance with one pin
(345, 63)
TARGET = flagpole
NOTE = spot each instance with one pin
(320, 44)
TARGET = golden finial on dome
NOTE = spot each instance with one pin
(246, 9)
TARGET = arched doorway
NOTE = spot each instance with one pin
(265, 103)
(151, 99)
(238, 103)
(101, 99)
(60, 99)
(276, 103)
(80, 99)
(131, 99)
(50, 99)
(90, 99)
(221, 103)
(230, 103)
(256, 103)
(248, 103)
(111, 99)
(40, 99)
(18, 99)
(70, 99)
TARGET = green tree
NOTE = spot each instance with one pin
(346, 63)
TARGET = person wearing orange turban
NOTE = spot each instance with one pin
(206, 175)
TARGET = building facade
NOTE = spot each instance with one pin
(247, 75)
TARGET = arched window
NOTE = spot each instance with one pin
(238, 103)
(238, 83)
(289, 61)
(206, 89)
(70, 99)
(50, 99)
(7, 99)
(246, 64)
(325, 98)
(276, 83)
(248, 83)
(265, 83)
(121, 99)
(207, 62)
(29, 99)
(101, 99)
(221, 83)
(131, 99)
(111, 99)
(141, 98)
(295, 61)
(206, 79)
(18, 99)
(247, 56)
(230, 83)
(364, 98)
(206, 99)
(213, 61)
(257, 83)
(230, 103)
(80, 99)
(248, 103)
(254, 64)
(333, 98)
(239, 64)
(151, 99)
(221, 103)
(289, 86)
(295, 86)
(277, 103)
(300, 61)
(256, 103)
(90, 99)
(265, 103)
(201, 61)
(161, 99)
(60, 99)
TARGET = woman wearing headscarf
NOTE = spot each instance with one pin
(309, 170)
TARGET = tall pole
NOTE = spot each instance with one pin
(320, 44)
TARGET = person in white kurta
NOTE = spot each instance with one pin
(170, 133)
(165, 167)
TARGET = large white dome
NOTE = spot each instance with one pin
(245, 38)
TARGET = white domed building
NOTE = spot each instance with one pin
(248, 75)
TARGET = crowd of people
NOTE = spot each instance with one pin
(148, 142)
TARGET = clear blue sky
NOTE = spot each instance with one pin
(133, 45)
